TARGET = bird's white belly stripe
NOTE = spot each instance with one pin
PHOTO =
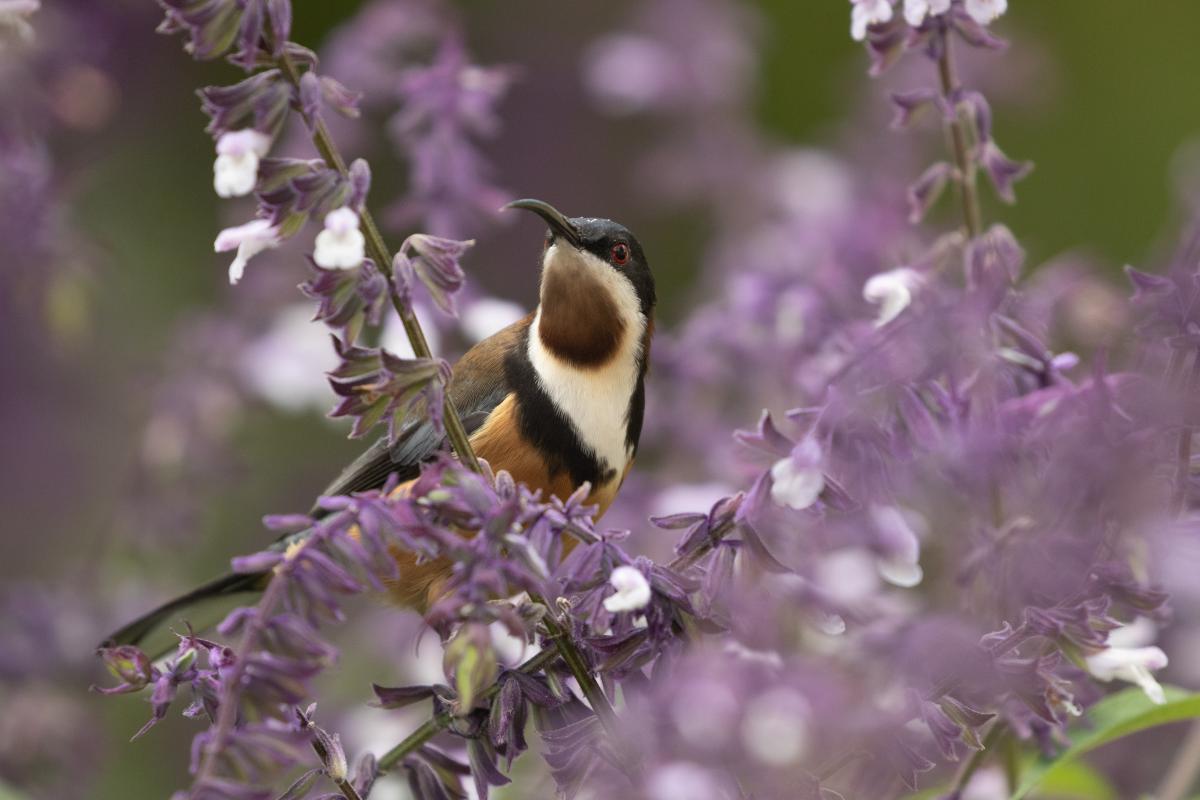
(595, 401)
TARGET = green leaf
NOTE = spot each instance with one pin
(1114, 717)
(1075, 780)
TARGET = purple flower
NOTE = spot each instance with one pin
(434, 261)
(446, 106)
(377, 386)
(866, 13)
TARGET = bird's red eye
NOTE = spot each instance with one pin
(620, 254)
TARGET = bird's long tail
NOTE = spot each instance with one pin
(201, 608)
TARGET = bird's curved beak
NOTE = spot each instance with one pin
(559, 224)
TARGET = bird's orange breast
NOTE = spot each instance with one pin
(499, 440)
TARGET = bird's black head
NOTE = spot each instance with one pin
(609, 242)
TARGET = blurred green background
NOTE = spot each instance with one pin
(1107, 100)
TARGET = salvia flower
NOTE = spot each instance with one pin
(214, 27)
(985, 12)
(446, 107)
(1002, 170)
(632, 590)
(236, 169)
(377, 386)
(900, 563)
(1129, 657)
(262, 100)
(892, 291)
(917, 11)
(774, 729)
(797, 480)
(291, 191)
(434, 262)
(349, 298)
(341, 245)
(865, 13)
(249, 239)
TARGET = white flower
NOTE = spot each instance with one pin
(989, 783)
(766, 658)
(341, 245)
(986, 11)
(797, 481)
(236, 169)
(775, 729)
(633, 590)
(915, 11)
(1132, 664)
(683, 497)
(682, 780)
(509, 649)
(14, 17)
(250, 240)
(866, 13)
(902, 566)
(905, 574)
(629, 73)
(286, 366)
(848, 576)
(892, 291)
(487, 315)
(705, 712)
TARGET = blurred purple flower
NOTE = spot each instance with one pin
(444, 108)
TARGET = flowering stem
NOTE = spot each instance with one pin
(583, 676)
(380, 254)
(558, 645)
(968, 191)
(439, 722)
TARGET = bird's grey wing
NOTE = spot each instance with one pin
(417, 443)
(478, 385)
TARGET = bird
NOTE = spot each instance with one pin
(556, 399)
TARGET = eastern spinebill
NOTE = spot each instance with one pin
(556, 399)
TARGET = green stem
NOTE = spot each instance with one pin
(583, 675)
(959, 144)
(379, 253)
